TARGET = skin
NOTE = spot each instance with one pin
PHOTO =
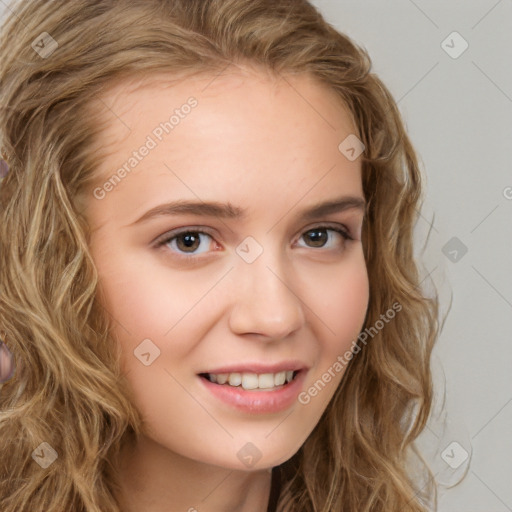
(271, 146)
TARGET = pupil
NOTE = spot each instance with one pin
(317, 239)
(189, 240)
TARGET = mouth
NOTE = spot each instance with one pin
(255, 393)
(250, 381)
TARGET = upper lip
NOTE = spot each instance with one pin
(259, 367)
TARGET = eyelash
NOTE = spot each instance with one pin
(168, 237)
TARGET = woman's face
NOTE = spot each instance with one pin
(270, 286)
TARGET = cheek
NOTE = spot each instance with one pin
(135, 304)
(344, 304)
(352, 302)
(342, 309)
(142, 300)
(147, 302)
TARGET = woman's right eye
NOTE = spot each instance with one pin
(184, 240)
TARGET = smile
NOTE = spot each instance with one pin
(255, 393)
(252, 380)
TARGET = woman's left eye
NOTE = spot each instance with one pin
(314, 232)
(189, 239)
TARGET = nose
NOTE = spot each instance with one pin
(264, 299)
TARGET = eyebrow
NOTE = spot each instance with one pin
(229, 211)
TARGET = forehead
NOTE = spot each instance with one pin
(250, 131)
(239, 88)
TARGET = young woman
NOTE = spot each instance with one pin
(208, 286)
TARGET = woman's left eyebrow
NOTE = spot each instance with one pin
(337, 205)
(230, 211)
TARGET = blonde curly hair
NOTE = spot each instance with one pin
(68, 389)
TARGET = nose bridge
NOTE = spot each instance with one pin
(265, 299)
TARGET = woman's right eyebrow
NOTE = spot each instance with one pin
(230, 211)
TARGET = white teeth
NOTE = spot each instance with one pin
(222, 378)
(266, 380)
(252, 380)
(279, 378)
(235, 379)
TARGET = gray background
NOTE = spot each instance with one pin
(458, 112)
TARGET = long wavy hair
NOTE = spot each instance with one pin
(68, 389)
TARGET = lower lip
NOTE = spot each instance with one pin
(257, 401)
